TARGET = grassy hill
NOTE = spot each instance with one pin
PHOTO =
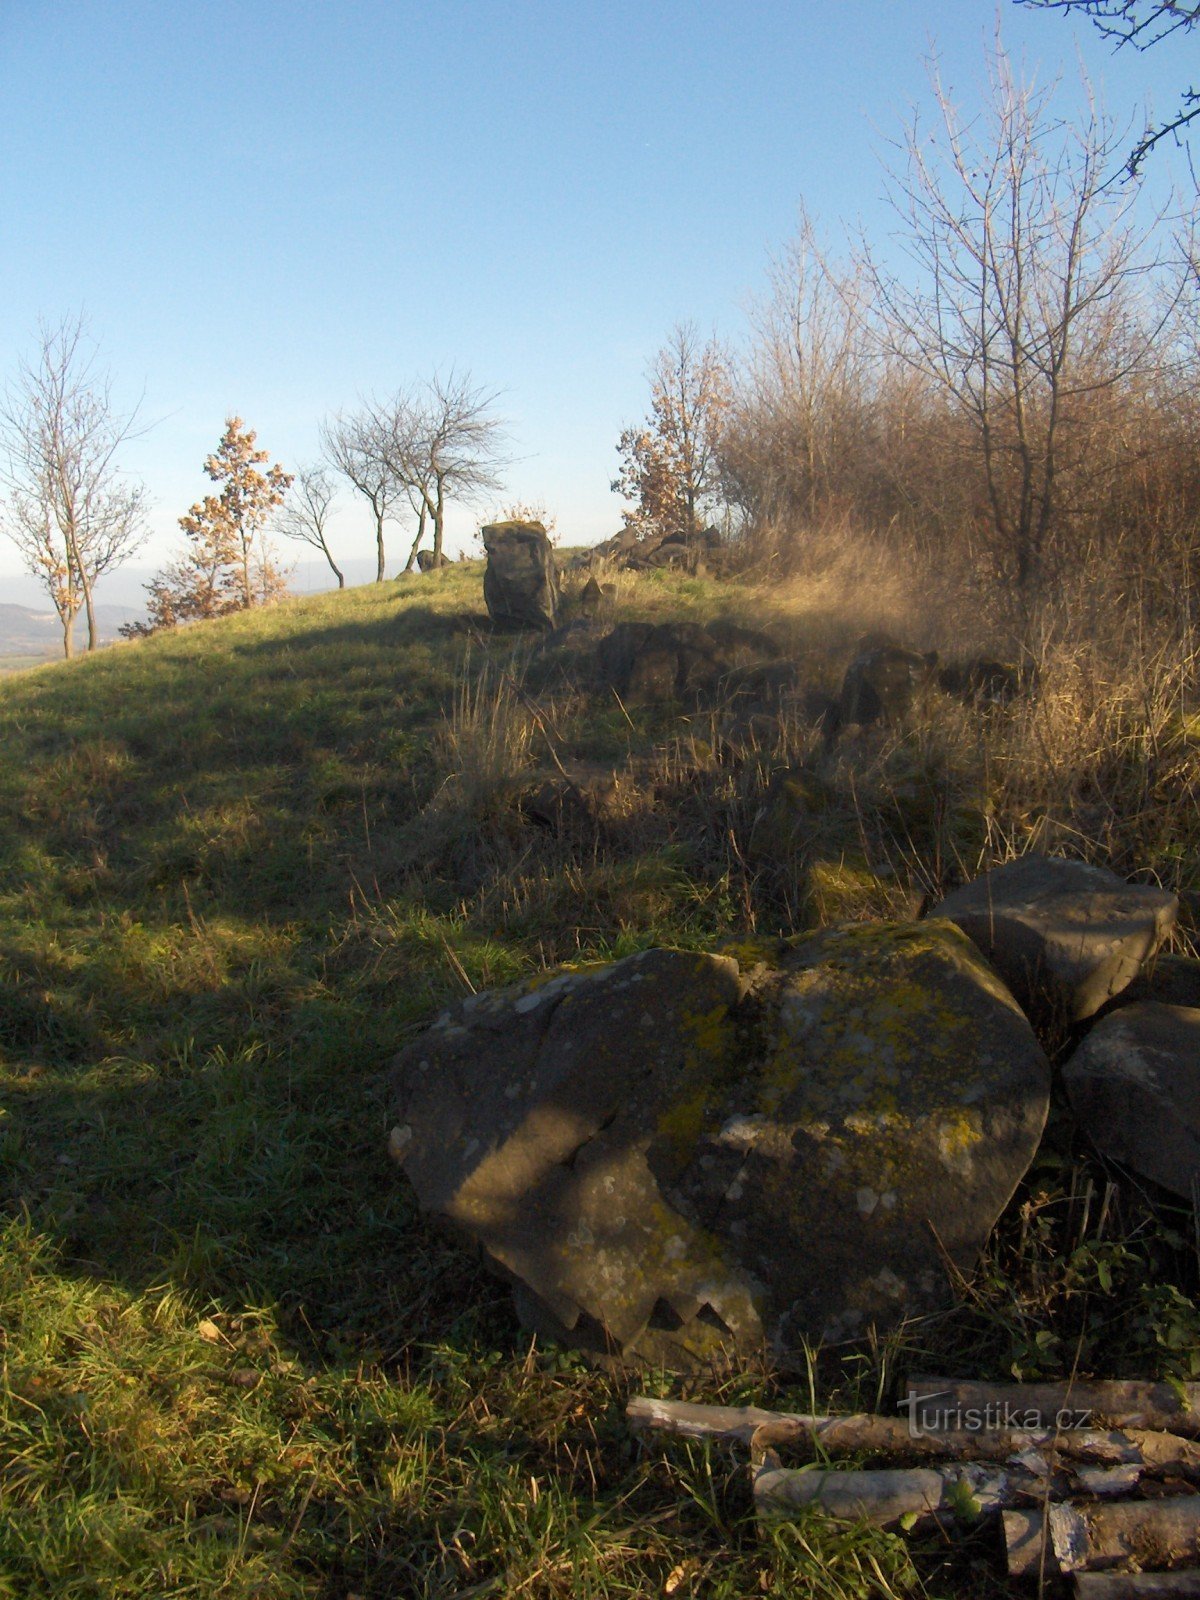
(28, 635)
(239, 864)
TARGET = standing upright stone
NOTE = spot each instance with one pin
(520, 585)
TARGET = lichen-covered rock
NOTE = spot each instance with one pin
(520, 582)
(525, 1120)
(1065, 936)
(896, 1099)
(1134, 1086)
(671, 1156)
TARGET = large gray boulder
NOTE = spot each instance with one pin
(1134, 1086)
(520, 582)
(1065, 936)
(679, 1153)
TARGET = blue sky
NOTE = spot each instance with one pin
(270, 207)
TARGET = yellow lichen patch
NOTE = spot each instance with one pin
(709, 1046)
(878, 1019)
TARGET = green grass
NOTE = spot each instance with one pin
(239, 865)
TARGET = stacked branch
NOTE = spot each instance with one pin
(1023, 1474)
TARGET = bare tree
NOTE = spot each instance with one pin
(1023, 310)
(357, 446)
(1141, 24)
(305, 514)
(401, 428)
(446, 442)
(669, 462)
(68, 508)
(801, 419)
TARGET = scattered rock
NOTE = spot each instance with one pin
(520, 583)
(427, 561)
(882, 684)
(629, 552)
(668, 660)
(1065, 936)
(657, 1151)
(592, 599)
(983, 681)
(576, 808)
(1173, 980)
(1134, 1085)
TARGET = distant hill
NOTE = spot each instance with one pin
(37, 635)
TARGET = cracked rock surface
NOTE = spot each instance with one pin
(1065, 936)
(679, 1153)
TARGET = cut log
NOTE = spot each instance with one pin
(1151, 1534)
(736, 1424)
(866, 1434)
(888, 1496)
(1092, 1403)
(1136, 1585)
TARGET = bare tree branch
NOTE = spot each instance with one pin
(305, 514)
(355, 445)
(1025, 308)
(445, 442)
(1141, 24)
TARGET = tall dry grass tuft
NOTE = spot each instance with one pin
(486, 742)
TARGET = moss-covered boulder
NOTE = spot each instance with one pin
(897, 1099)
(680, 1153)
(526, 1119)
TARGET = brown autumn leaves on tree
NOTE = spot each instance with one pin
(228, 564)
(669, 462)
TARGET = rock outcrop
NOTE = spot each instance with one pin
(1134, 1085)
(670, 660)
(681, 1153)
(705, 551)
(1065, 936)
(428, 561)
(520, 582)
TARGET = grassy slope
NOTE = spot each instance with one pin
(237, 864)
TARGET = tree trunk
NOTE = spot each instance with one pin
(75, 563)
(247, 581)
(337, 571)
(68, 627)
(419, 540)
(439, 521)
(380, 557)
(85, 583)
